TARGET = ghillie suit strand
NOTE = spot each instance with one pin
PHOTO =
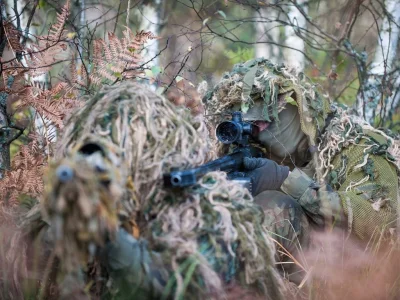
(201, 239)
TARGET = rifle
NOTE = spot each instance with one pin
(235, 132)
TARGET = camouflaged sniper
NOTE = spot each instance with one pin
(361, 163)
(187, 244)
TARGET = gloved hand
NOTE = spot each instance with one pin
(265, 174)
(125, 254)
(137, 272)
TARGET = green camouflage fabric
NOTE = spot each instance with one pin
(363, 167)
(365, 205)
(321, 204)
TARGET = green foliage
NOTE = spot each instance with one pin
(349, 96)
(239, 55)
(42, 4)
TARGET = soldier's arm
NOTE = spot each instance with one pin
(353, 209)
(134, 269)
(322, 204)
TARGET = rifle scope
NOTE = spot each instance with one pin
(234, 131)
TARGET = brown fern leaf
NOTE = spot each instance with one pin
(39, 100)
(57, 30)
(118, 58)
(48, 50)
(143, 36)
(13, 36)
(13, 77)
(25, 176)
(43, 55)
(52, 104)
(51, 48)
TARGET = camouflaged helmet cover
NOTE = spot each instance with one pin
(261, 89)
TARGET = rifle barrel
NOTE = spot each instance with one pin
(189, 177)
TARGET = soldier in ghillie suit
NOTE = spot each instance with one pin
(324, 167)
(107, 219)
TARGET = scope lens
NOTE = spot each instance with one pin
(228, 132)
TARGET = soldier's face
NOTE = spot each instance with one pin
(282, 137)
(259, 126)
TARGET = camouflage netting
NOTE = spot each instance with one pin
(362, 164)
(215, 225)
(206, 235)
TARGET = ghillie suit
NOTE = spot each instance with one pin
(362, 163)
(105, 202)
(326, 147)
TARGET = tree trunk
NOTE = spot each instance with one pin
(267, 32)
(268, 35)
(4, 124)
(290, 56)
(385, 53)
(152, 14)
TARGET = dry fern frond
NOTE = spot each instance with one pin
(52, 104)
(139, 38)
(78, 74)
(51, 48)
(39, 57)
(44, 55)
(119, 58)
(57, 30)
(13, 36)
(13, 77)
(25, 176)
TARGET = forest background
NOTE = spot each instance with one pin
(349, 48)
(55, 54)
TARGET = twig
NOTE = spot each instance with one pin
(25, 37)
(116, 20)
(177, 74)
(17, 52)
(153, 58)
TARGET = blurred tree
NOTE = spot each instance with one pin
(333, 41)
(337, 43)
(43, 71)
(383, 68)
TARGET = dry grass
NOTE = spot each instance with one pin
(338, 267)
